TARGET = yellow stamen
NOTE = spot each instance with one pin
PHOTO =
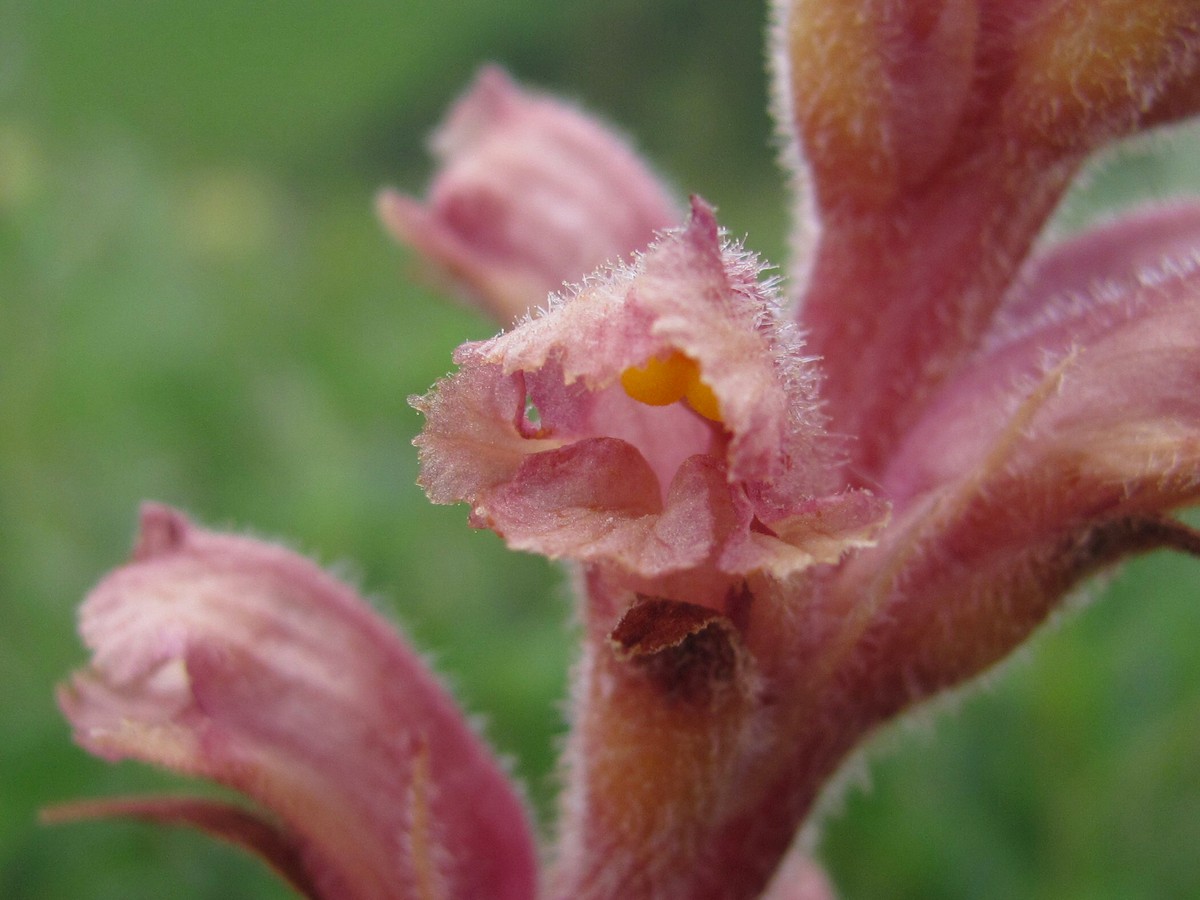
(666, 380)
(660, 382)
(701, 398)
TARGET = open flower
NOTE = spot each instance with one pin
(789, 519)
(660, 420)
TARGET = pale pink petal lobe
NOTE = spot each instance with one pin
(530, 193)
(239, 661)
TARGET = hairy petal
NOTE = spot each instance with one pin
(530, 193)
(1079, 285)
(936, 137)
(239, 661)
(1098, 340)
(1086, 72)
(1058, 451)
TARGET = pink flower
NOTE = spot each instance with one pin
(790, 516)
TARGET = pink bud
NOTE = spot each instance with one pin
(530, 193)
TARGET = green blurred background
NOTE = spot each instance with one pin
(197, 306)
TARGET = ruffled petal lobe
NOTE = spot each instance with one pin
(661, 418)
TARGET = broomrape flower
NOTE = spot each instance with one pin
(792, 511)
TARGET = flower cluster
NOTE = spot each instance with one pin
(792, 510)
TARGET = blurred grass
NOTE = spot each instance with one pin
(196, 306)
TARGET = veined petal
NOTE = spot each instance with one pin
(549, 507)
(1078, 285)
(531, 193)
(1097, 341)
(239, 661)
(1061, 449)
